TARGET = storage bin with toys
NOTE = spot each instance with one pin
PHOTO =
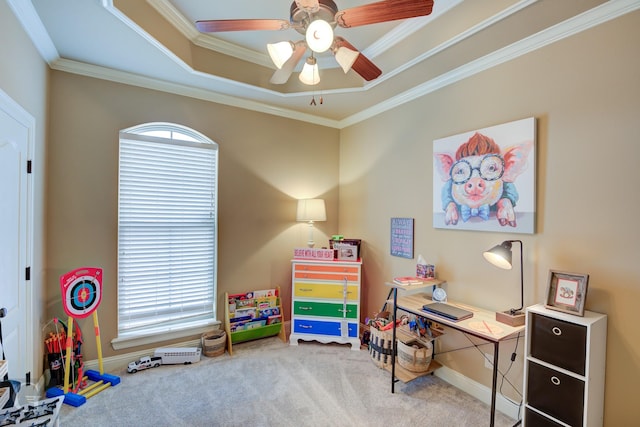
(415, 338)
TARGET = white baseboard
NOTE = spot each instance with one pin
(117, 363)
(477, 390)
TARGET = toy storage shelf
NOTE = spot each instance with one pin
(250, 331)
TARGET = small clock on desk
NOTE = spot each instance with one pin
(439, 295)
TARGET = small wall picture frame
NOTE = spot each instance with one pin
(567, 292)
(402, 237)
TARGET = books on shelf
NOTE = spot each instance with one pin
(253, 310)
(413, 280)
(408, 280)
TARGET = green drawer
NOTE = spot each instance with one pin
(325, 309)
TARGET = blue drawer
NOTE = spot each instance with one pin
(317, 327)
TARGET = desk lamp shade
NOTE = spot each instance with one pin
(310, 210)
(501, 256)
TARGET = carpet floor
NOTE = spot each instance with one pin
(269, 383)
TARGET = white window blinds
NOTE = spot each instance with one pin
(167, 233)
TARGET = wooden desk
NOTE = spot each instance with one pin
(483, 325)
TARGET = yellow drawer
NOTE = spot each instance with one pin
(321, 290)
(326, 276)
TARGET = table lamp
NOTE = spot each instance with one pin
(311, 210)
(500, 256)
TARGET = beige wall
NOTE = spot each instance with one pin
(265, 164)
(585, 93)
(23, 77)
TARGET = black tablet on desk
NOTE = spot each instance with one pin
(448, 311)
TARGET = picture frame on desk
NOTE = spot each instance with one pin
(567, 292)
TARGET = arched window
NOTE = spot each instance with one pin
(167, 233)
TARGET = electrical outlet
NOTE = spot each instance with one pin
(488, 360)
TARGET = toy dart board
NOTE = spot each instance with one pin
(81, 291)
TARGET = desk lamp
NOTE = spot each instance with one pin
(500, 256)
(311, 210)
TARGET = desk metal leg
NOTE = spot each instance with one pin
(494, 383)
(393, 344)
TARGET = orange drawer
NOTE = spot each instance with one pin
(327, 268)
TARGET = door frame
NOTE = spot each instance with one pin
(31, 322)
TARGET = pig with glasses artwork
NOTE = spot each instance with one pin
(479, 180)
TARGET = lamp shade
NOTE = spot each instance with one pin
(319, 35)
(311, 210)
(280, 52)
(309, 74)
(346, 57)
(500, 255)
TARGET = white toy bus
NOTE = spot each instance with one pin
(178, 355)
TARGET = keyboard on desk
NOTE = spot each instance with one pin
(448, 311)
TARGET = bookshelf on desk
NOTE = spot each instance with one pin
(482, 325)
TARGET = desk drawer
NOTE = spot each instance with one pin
(321, 290)
(324, 309)
(559, 343)
(317, 327)
(555, 393)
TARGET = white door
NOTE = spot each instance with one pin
(14, 141)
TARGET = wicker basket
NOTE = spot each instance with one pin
(415, 356)
(380, 347)
(214, 343)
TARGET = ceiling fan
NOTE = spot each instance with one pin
(316, 19)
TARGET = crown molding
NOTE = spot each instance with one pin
(33, 26)
(131, 79)
(589, 19)
(612, 9)
(406, 28)
(189, 31)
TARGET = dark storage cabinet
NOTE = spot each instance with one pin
(560, 343)
(564, 368)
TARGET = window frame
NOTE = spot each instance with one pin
(179, 136)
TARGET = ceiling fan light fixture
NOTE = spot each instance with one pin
(309, 74)
(319, 35)
(280, 52)
(346, 57)
(310, 6)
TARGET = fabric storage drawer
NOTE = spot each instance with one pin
(559, 343)
(533, 419)
(311, 308)
(321, 290)
(318, 327)
(555, 393)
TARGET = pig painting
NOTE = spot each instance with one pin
(478, 182)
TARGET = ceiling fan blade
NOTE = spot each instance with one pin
(362, 65)
(282, 75)
(221, 25)
(383, 11)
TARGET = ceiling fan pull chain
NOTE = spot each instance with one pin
(313, 100)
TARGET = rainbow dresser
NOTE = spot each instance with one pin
(325, 304)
